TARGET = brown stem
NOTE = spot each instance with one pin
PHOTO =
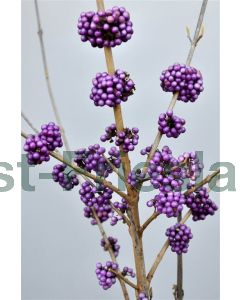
(198, 34)
(47, 78)
(149, 221)
(111, 253)
(118, 211)
(81, 171)
(184, 220)
(123, 278)
(179, 287)
(25, 118)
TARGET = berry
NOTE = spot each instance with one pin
(190, 165)
(142, 296)
(185, 80)
(200, 203)
(111, 90)
(112, 243)
(106, 278)
(37, 150)
(170, 203)
(146, 150)
(91, 159)
(107, 28)
(136, 177)
(128, 139)
(170, 124)
(65, 179)
(122, 206)
(128, 272)
(110, 133)
(179, 236)
(164, 171)
(97, 198)
(52, 135)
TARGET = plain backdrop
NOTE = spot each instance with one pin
(59, 246)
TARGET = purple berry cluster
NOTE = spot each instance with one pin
(128, 138)
(37, 150)
(113, 243)
(107, 28)
(97, 198)
(164, 171)
(135, 177)
(171, 125)
(170, 203)
(122, 206)
(38, 146)
(92, 159)
(200, 203)
(190, 165)
(111, 90)
(128, 272)
(106, 278)
(142, 296)
(65, 179)
(52, 135)
(179, 236)
(185, 80)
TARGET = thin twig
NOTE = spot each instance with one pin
(111, 253)
(198, 34)
(148, 221)
(118, 211)
(46, 73)
(25, 118)
(79, 170)
(179, 286)
(185, 218)
(115, 170)
(127, 281)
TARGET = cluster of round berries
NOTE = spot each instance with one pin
(128, 272)
(190, 165)
(170, 124)
(142, 296)
(65, 179)
(92, 159)
(97, 198)
(179, 236)
(106, 278)
(128, 138)
(122, 206)
(135, 177)
(107, 28)
(113, 243)
(38, 146)
(111, 90)
(170, 203)
(200, 203)
(146, 150)
(185, 80)
(164, 171)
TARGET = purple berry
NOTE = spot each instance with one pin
(64, 178)
(106, 278)
(171, 125)
(113, 243)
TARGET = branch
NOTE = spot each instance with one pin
(81, 171)
(47, 78)
(115, 170)
(197, 36)
(25, 118)
(148, 221)
(111, 253)
(117, 109)
(118, 211)
(121, 277)
(184, 220)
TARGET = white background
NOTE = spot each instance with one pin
(10, 120)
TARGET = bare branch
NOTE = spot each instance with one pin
(127, 281)
(25, 118)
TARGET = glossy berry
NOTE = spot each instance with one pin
(179, 237)
(97, 198)
(170, 204)
(142, 296)
(66, 178)
(185, 80)
(191, 165)
(146, 150)
(37, 150)
(106, 278)
(135, 177)
(122, 206)
(128, 139)
(107, 28)
(113, 243)
(128, 272)
(200, 203)
(171, 125)
(164, 171)
(52, 135)
(111, 90)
